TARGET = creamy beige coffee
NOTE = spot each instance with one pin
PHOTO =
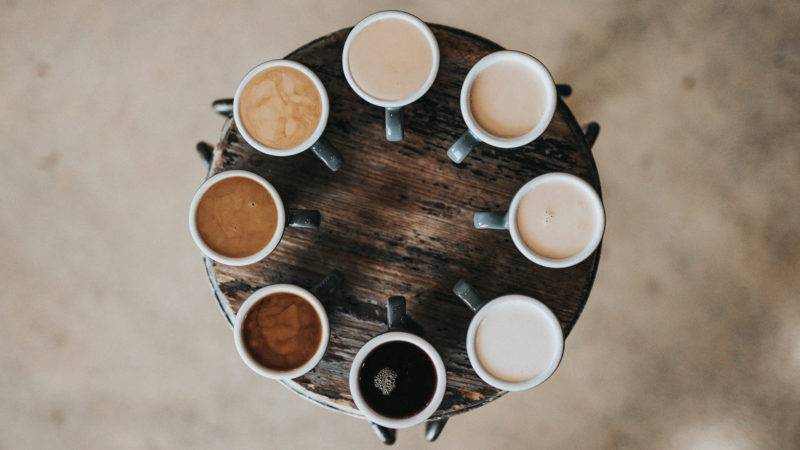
(390, 59)
(556, 219)
(516, 342)
(236, 217)
(507, 99)
(280, 107)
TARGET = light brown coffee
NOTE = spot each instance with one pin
(390, 59)
(282, 331)
(507, 99)
(236, 217)
(280, 107)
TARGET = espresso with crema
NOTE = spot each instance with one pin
(280, 107)
(556, 219)
(282, 331)
(236, 217)
(508, 99)
(390, 59)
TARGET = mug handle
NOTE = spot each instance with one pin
(303, 218)
(485, 220)
(461, 148)
(468, 295)
(394, 124)
(328, 286)
(396, 313)
(328, 154)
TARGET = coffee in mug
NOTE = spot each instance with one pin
(507, 100)
(397, 379)
(390, 59)
(238, 218)
(281, 331)
(281, 108)
(514, 342)
(555, 220)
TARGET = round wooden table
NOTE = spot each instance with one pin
(397, 220)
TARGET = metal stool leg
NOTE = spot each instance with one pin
(434, 429)
(223, 106)
(564, 90)
(386, 435)
(205, 150)
(590, 132)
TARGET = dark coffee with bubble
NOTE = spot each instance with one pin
(397, 379)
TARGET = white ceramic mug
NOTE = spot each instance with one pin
(295, 218)
(470, 296)
(508, 221)
(258, 296)
(394, 108)
(395, 318)
(475, 134)
(321, 148)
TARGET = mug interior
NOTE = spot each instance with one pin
(218, 257)
(367, 410)
(323, 118)
(254, 299)
(391, 15)
(543, 76)
(492, 380)
(597, 209)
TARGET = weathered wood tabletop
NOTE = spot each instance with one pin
(397, 220)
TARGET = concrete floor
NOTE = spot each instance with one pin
(109, 337)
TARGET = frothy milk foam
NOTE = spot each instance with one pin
(556, 219)
(515, 341)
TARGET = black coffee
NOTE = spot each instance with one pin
(397, 379)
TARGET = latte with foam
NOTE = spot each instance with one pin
(280, 107)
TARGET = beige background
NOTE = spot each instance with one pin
(109, 337)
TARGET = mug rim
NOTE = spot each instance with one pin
(597, 233)
(323, 118)
(256, 297)
(436, 399)
(550, 92)
(435, 58)
(510, 385)
(228, 260)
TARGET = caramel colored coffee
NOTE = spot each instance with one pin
(556, 219)
(236, 217)
(280, 107)
(282, 331)
(507, 99)
(390, 59)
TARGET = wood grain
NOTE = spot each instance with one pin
(397, 220)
